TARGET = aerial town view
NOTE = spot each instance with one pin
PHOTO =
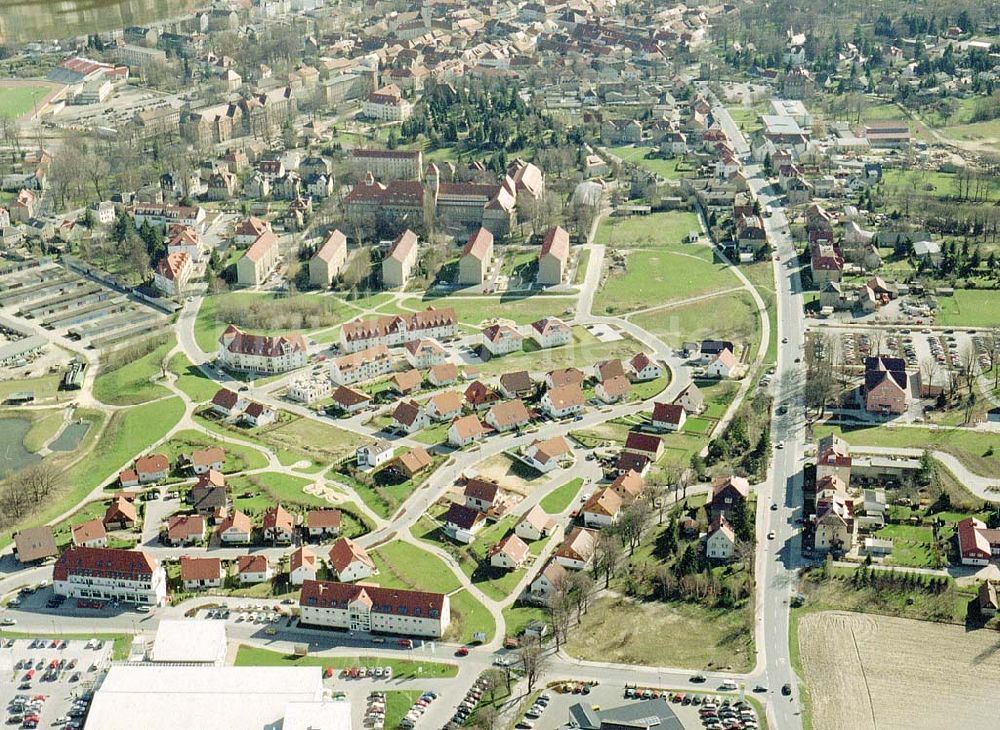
(376, 364)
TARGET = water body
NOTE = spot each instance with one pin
(71, 436)
(13, 455)
(40, 20)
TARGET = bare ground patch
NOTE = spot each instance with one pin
(868, 672)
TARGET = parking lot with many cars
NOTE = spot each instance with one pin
(48, 682)
(696, 710)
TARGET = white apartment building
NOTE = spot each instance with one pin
(359, 366)
(104, 574)
(372, 608)
(266, 354)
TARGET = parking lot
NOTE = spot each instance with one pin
(608, 696)
(47, 682)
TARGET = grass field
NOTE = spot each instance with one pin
(852, 667)
(469, 617)
(475, 310)
(659, 634)
(516, 617)
(761, 275)
(252, 656)
(238, 456)
(986, 134)
(191, 380)
(44, 425)
(133, 383)
(656, 229)
(402, 565)
(16, 101)
(583, 260)
(45, 387)
(969, 308)
(979, 451)
(733, 317)
(672, 169)
(561, 497)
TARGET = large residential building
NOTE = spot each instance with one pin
(474, 264)
(387, 105)
(387, 164)
(361, 365)
(553, 257)
(328, 261)
(398, 263)
(259, 115)
(257, 263)
(265, 354)
(372, 608)
(550, 332)
(833, 459)
(166, 215)
(398, 329)
(172, 273)
(129, 576)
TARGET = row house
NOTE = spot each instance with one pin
(394, 330)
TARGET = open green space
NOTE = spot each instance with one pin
(254, 494)
(128, 433)
(730, 317)
(404, 565)
(16, 101)
(516, 617)
(397, 704)
(45, 387)
(979, 451)
(655, 229)
(62, 531)
(132, 383)
(761, 275)
(561, 497)
(969, 308)
(473, 310)
(986, 134)
(238, 456)
(385, 496)
(252, 656)
(198, 386)
(469, 617)
(668, 169)
(294, 439)
(583, 260)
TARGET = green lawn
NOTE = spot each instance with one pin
(191, 380)
(979, 451)
(16, 101)
(474, 310)
(986, 133)
(969, 308)
(516, 617)
(672, 169)
(252, 656)
(128, 434)
(397, 704)
(561, 497)
(271, 487)
(238, 456)
(469, 616)
(132, 383)
(436, 433)
(403, 565)
(761, 275)
(656, 229)
(730, 317)
(45, 387)
(581, 267)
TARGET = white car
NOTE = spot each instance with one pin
(8, 621)
(780, 445)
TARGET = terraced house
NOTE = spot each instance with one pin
(394, 330)
(375, 609)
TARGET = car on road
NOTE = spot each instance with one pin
(462, 651)
(786, 689)
(759, 688)
(699, 678)
(378, 640)
(8, 621)
(784, 340)
(405, 643)
(774, 506)
(780, 445)
(770, 535)
(782, 410)
(728, 686)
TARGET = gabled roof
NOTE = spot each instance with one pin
(406, 412)
(35, 543)
(180, 527)
(485, 490)
(565, 396)
(403, 246)
(510, 413)
(303, 556)
(603, 502)
(479, 244)
(578, 545)
(100, 562)
(462, 517)
(644, 442)
(518, 381)
(556, 243)
(513, 547)
(278, 518)
(447, 402)
(251, 564)
(200, 568)
(344, 552)
(467, 427)
(325, 594)
(89, 530)
(323, 519)
(237, 521)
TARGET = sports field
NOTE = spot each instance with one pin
(18, 100)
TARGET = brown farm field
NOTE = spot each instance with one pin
(866, 672)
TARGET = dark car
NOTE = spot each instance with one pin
(786, 689)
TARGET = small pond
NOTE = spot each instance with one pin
(71, 436)
(13, 455)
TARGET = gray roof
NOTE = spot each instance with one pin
(638, 715)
